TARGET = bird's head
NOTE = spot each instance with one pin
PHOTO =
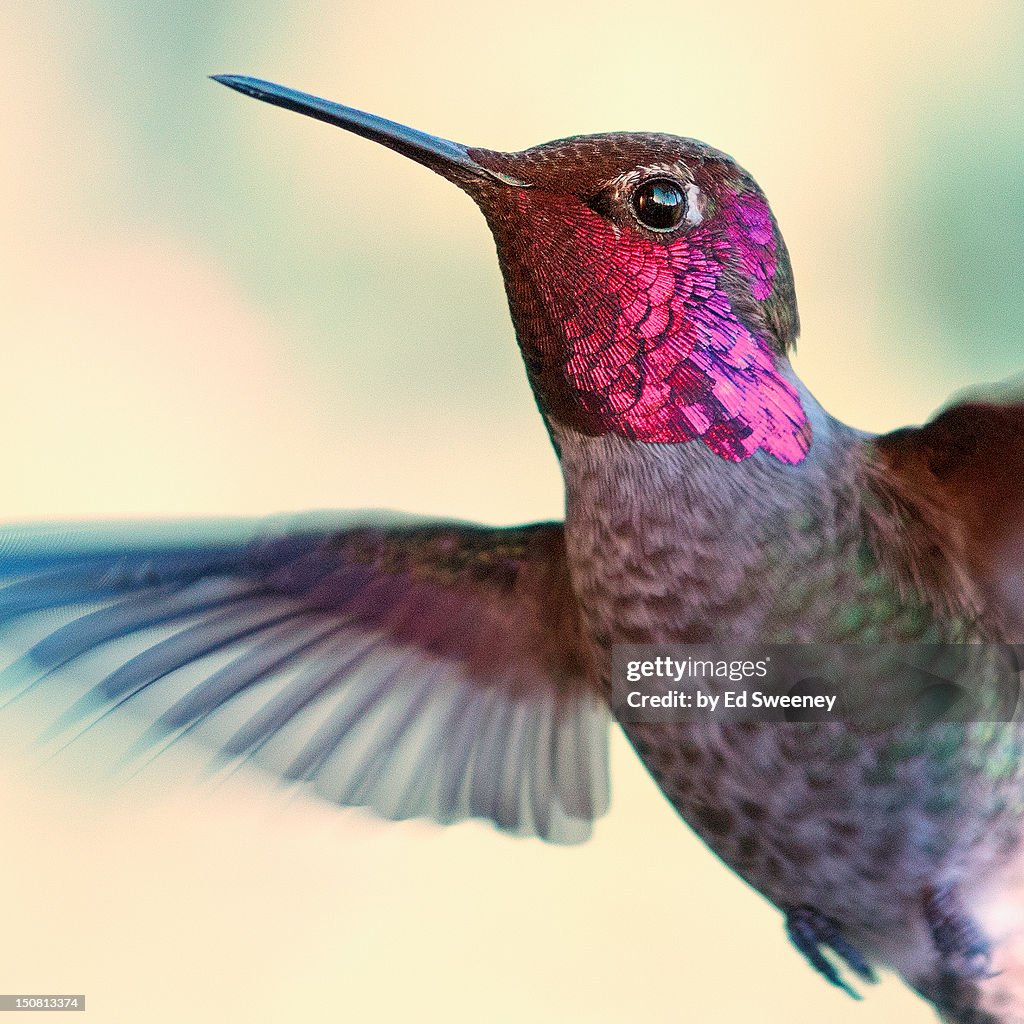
(650, 287)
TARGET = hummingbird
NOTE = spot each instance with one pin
(450, 670)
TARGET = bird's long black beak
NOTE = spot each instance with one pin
(449, 159)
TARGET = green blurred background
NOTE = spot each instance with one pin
(211, 306)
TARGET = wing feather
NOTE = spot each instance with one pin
(417, 668)
(965, 472)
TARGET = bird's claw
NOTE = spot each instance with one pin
(810, 932)
(963, 949)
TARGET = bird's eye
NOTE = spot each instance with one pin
(660, 204)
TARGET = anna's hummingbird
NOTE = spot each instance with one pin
(450, 670)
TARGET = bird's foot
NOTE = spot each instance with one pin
(964, 950)
(811, 932)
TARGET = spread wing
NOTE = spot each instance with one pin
(968, 465)
(416, 668)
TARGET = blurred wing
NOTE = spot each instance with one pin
(420, 669)
(968, 465)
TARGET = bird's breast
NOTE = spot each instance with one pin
(809, 814)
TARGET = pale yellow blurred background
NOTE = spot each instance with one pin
(210, 306)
